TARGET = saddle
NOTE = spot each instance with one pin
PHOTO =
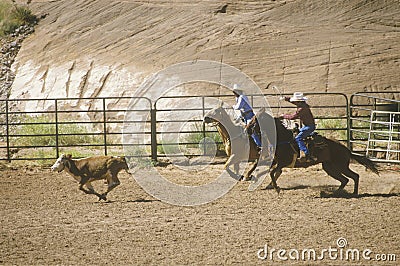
(317, 145)
(316, 140)
(253, 128)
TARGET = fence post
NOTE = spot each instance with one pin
(350, 125)
(153, 125)
(56, 118)
(204, 125)
(7, 134)
(105, 126)
(348, 122)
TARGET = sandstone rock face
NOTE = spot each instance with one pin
(107, 47)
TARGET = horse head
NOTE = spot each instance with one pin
(216, 116)
(219, 118)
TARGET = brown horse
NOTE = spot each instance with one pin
(335, 157)
(238, 146)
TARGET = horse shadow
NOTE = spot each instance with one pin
(233, 175)
(332, 192)
(298, 187)
(346, 195)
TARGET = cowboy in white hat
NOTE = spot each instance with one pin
(303, 113)
(246, 111)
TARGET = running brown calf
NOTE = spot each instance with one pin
(89, 169)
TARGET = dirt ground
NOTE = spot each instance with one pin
(46, 220)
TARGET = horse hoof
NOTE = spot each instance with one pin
(247, 178)
(270, 186)
(103, 197)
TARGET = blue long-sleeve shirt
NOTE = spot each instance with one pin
(243, 104)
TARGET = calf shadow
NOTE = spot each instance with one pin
(127, 201)
(142, 200)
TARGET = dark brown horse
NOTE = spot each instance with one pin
(334, 156)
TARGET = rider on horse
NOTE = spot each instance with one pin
(246, 111)
(303, 113)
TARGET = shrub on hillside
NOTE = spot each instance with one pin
(12, 17)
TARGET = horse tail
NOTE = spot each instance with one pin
(366, 162)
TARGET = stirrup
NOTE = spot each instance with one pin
(311, 159)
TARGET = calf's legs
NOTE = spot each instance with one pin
(92, 191)
(112, 181)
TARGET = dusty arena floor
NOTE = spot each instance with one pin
(46, 220)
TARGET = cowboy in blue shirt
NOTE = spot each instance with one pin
(246, 111)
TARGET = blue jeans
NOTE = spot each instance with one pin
(304, 132)
(254, 135)
(256, 139)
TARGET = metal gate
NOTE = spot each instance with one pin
(374, 123)
(41, 129)
(330, 111)
(384, 136)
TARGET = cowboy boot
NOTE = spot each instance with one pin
(303, 157)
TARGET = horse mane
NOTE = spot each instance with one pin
(283, 133)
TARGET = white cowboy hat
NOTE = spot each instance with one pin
(298, 97)
(236, 89)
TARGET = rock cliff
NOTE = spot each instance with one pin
(107, 47)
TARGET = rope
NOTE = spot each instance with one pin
(277, 91)
(220, 70)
